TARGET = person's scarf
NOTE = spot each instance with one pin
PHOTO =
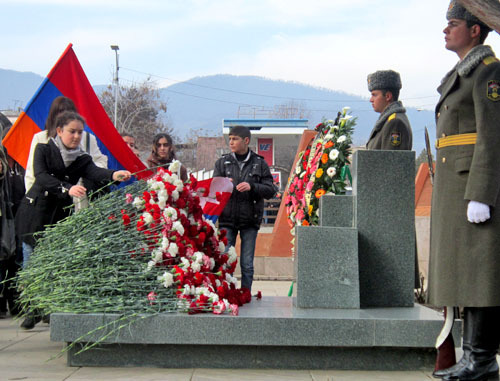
(68, 155)
(154, 161)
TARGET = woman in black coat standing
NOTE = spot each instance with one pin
(58, 165)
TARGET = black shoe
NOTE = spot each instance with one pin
(30, 321)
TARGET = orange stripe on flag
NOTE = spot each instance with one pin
(18, 139)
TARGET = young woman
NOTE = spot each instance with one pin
(163, 153)
(58, 165)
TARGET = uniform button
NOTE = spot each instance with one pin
(444, 160)
(439, 114)
(443, 135)
(446, 107)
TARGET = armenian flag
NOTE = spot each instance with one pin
(68, 79)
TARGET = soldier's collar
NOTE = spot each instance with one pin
(475, 56)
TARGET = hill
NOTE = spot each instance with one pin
(202, 102)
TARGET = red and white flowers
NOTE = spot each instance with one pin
(188, 255)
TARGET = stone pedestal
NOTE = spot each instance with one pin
(326, 267)
(268, 333)
(366, 240)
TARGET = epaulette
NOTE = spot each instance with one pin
(489, 60)
(393, 116)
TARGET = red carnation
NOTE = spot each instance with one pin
(126, 219)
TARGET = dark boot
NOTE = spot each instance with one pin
(466, 346)
(482, 362)
(31, 320)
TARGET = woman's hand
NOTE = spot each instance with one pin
(121, 175)
(77, 191)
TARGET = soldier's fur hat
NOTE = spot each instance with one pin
(457, 11)
(383, 80)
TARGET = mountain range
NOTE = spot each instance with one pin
(203, 102)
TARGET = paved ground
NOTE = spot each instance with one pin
(24, 355)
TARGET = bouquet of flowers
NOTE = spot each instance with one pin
(146, 248)
(321, 169)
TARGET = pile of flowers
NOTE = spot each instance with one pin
(143, 249)
(322, 168)
(187, 252)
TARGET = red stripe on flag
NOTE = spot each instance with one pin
(68, 76)
(20, 135)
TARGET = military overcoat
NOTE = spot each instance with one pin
(464, 268)
(392, 131)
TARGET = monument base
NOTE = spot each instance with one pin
(268, 333)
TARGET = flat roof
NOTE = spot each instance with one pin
(267, 126)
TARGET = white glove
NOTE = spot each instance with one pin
(478, 212)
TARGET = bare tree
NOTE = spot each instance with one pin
(140, 111)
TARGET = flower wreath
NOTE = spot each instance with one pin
(322, 168)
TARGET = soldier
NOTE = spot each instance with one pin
(392, 130)
(464, 267)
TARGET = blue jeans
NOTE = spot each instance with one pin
(248, 237)
(27, 251)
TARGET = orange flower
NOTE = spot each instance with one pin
(319, 173)
(305, 223)
(329, 144)
(319, 193)
(324, 158)
(310, 209)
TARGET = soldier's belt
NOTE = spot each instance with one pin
(456, 140)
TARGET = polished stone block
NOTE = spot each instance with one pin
(326, 267)
(384, 191)
(336, 211)
(268, 333)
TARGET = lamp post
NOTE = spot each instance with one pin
(115, 80)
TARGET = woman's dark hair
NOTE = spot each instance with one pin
(156, 140)
(66, 117)
(59, 105)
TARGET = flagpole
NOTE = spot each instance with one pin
(116, 48)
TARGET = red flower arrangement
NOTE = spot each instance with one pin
(188, 253)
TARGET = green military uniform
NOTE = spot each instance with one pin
(464, 268)
(392, 130)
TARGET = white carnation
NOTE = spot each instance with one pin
(167, 178)
(174, 166)
(178, 227)
(185, 263)
(341, 139)
(214, 297)
(170, 213)
(148, 218)
(179, 184)
(138, 203)
(151, 264)
(196, 266)
(198, 257)
(334, 154)
(167, 279)
(175, 195)
(173, 249)
(157, 255)
(222, 247)
(164, 243)
(232, 255)
(331, 171)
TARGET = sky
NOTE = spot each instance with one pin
(332, 44)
